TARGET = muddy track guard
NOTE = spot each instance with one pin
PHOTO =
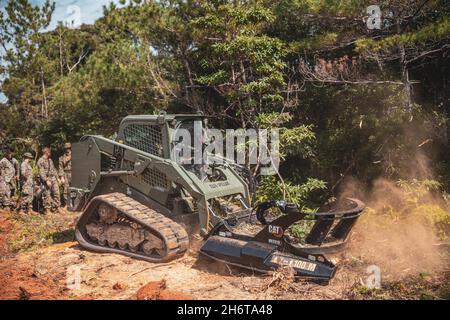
(272, 248)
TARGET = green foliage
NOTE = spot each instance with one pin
(270, 187)
(412, 287)
(299, 140)
(35, 231)
(314, 43)
(234, 56)
(421, 203)
(415, 200)
(434, 31)
(24, 63)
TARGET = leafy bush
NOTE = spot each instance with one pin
(412, 200)
(272, 188)
(423, 199)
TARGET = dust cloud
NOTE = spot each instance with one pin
(395, 232)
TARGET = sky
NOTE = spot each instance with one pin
(89, 11)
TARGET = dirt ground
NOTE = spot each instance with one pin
(66, 271)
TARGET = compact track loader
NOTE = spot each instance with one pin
(138, 200)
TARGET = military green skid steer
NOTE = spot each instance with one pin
(138, 200)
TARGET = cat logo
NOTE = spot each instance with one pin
(277, 231)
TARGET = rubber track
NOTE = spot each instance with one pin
(174, 236)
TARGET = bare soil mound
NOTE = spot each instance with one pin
(157, 290)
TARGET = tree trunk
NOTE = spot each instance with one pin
(44, 97)
(405, 73)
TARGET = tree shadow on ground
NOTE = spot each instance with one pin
(63, 236)
(212, 266)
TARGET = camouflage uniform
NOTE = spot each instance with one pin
(65, 171)
(47, 173)
(8, 175)
(27, 183)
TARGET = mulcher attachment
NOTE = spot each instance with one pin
(272, 248)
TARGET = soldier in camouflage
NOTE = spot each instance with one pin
(9, 177)
(27, 183)
(65, 171)
(49, 179)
